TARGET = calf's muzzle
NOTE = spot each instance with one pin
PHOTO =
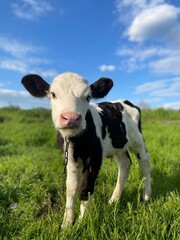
(70, 120)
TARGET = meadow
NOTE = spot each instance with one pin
(32, 199)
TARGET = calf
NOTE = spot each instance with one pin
(88, 132)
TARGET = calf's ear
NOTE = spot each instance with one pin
(101, 87)
(35, 85)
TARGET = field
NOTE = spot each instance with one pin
(31, 183)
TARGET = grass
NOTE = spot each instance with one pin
(31, 197)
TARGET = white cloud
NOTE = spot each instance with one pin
(152, 100)
(14, 65)
(172, 105)
(16, 48)
(127, 10)
(171, 90)
(157, 58)
(13, 93)
(162, 88)
(23, 58)
(156, 93)
(153, 31)
(167, 65)
(149, 20)
(31, 9)
(131, 64)
(143, 53)
(21, 98)
(150, 86)
(105, 68)
(46, 73)
(158, 23)
(25, 68)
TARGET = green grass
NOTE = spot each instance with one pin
(31, 197)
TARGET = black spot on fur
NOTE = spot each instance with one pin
(87, 147)
(103, 129)
(112, 120)
(87, 144)
(139, 110)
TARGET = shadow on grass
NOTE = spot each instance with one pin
(163, 183)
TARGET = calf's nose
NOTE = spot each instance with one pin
(70, 119)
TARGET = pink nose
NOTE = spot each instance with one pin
(70, 119)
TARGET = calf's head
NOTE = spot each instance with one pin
(70, 95)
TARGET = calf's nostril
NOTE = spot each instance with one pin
(79, 117)
(70, 118)
(64, 117)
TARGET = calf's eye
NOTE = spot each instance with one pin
(53, 95)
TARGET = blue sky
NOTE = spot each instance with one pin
(134, 42)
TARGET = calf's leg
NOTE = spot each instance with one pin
(142, 156)
(72, 181)
(87, 187)
(124, 164)
(144, 164)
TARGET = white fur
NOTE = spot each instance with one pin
(71, 91)
(73, 176)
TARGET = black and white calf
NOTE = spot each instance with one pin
(93, 131)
